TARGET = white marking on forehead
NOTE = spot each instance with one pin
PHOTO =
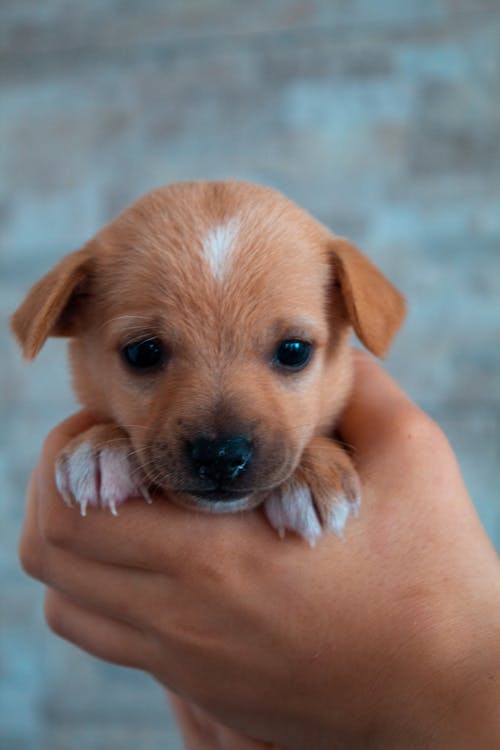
(218, 246)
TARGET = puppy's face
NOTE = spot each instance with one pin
(210, 320)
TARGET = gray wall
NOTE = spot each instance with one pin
(383, 119)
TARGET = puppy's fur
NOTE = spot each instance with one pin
(219, 274)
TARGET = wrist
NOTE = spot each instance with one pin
(452, 692)
(474, 715)
(437, 686)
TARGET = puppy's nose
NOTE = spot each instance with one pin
(221, 460)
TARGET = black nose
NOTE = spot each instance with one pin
(221, 460)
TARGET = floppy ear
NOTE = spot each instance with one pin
(50, 306)
(374, 306)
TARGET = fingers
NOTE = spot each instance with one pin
(128, 595)
(70, 428)
(157, 538)
(103, 637)
(200, 731)
(131, 539)
(118, 592)
(160, 537)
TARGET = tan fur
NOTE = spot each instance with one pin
(145, 274)
(46, 310)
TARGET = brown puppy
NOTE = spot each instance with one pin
(209, 329)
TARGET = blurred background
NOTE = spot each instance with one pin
(382, 119)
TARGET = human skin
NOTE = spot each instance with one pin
(386, 638)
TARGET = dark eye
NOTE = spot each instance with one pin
(293, 354)
(144, 355)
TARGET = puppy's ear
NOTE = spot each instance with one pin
(374, 306)
(50, 308)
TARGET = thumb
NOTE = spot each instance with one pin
(375, 407)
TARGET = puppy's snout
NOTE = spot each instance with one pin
(221, 460)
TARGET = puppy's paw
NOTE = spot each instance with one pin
(97, 468)
(320, 496)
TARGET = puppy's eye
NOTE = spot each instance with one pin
(144, 355)
(293, 354)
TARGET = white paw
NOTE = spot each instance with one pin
(100, 476)
(292, 508)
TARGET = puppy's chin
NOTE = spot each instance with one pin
(219, 501)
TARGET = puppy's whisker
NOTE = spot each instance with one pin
(151, 471)
(148, 460)
(113, 442)
(142, 466)
(133, 453)
(160, 478)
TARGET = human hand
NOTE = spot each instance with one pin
(388, 636)
(200, 731)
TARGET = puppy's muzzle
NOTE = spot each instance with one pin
(219, 462)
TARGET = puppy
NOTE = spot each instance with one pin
(209, 328)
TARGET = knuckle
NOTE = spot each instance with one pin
(30, 557)
(51, 445)
(419, 424)
(56, 524)
(124, 609)
(53, 613)
(422, 431)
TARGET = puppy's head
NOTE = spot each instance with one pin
(211, 321)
